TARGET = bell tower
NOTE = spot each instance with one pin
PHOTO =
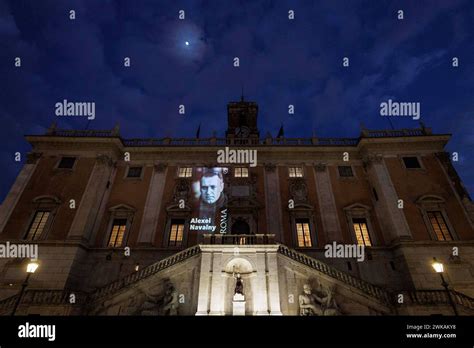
(242, 119)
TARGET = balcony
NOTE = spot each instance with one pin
(238, 239)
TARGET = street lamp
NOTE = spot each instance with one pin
(439, 268)
(30, 269)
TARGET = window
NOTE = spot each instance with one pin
(176, 232)
(37, 225)
(134, 172)
(295, 172)
(361, 232)
(411, 162)
(185, 172)
(345, 171)
(241, 172)
(67, 162)
(118, 231)
(439, 225)
(303, 233)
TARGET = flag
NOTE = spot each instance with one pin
(280, 132)
(198, 131)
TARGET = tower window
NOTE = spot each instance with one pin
(117, 234)
(411, 162)
(345, 171)
(176, 232)
(303, 233)
(295, 172)
(67, 162)
(439, 225)
(185, 172)
(37, 225)
(134, 172)
(361, 232)
(241, 172)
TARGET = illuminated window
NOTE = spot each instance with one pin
(134, 172)
(439, 225)
(241, 172)
(345, 171)
(295, 172)
(303, 233)
(118, 231)
(361, 232)
(185, 172)
(37, 225)
(411, 162)
(176, 232)
(67, 162)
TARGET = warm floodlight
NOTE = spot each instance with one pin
(438, 266)
(32, 266)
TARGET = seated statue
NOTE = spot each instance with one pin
(310, 304)
(162, 305)
(322, 302)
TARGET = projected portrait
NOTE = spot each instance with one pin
(208, 192)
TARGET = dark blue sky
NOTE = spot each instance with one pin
(282, 62)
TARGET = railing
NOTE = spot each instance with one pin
(241, 142)
(42, 297)
(362, 285)
(145, 272)
(435, 297)
(239, 239)
(406, 132)
(214, 141)
(83, 133)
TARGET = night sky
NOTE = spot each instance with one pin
(282, 62)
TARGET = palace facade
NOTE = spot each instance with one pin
(162, 227)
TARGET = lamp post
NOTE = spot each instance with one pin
(439, 268)
(30, 269)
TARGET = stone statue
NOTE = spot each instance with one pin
(162, 305)
(239, 286)
(320, 303)
(310, 304)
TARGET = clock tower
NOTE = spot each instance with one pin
(242, 119)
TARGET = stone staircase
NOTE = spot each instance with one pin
(61, 298)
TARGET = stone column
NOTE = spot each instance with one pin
(327, 204)
(86, 215)
(273, 285)
(217, 285)
(273, 202)
(392, 219)
(151, 212)
(17, 189)
(260, 298)
(204, 284)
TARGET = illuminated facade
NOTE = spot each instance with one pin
(239, 225)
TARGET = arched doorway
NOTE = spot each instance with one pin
(240, 227)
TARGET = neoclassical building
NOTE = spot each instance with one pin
(167, 227)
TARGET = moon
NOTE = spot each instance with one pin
(187, 43)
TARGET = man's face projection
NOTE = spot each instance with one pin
(211, 188)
